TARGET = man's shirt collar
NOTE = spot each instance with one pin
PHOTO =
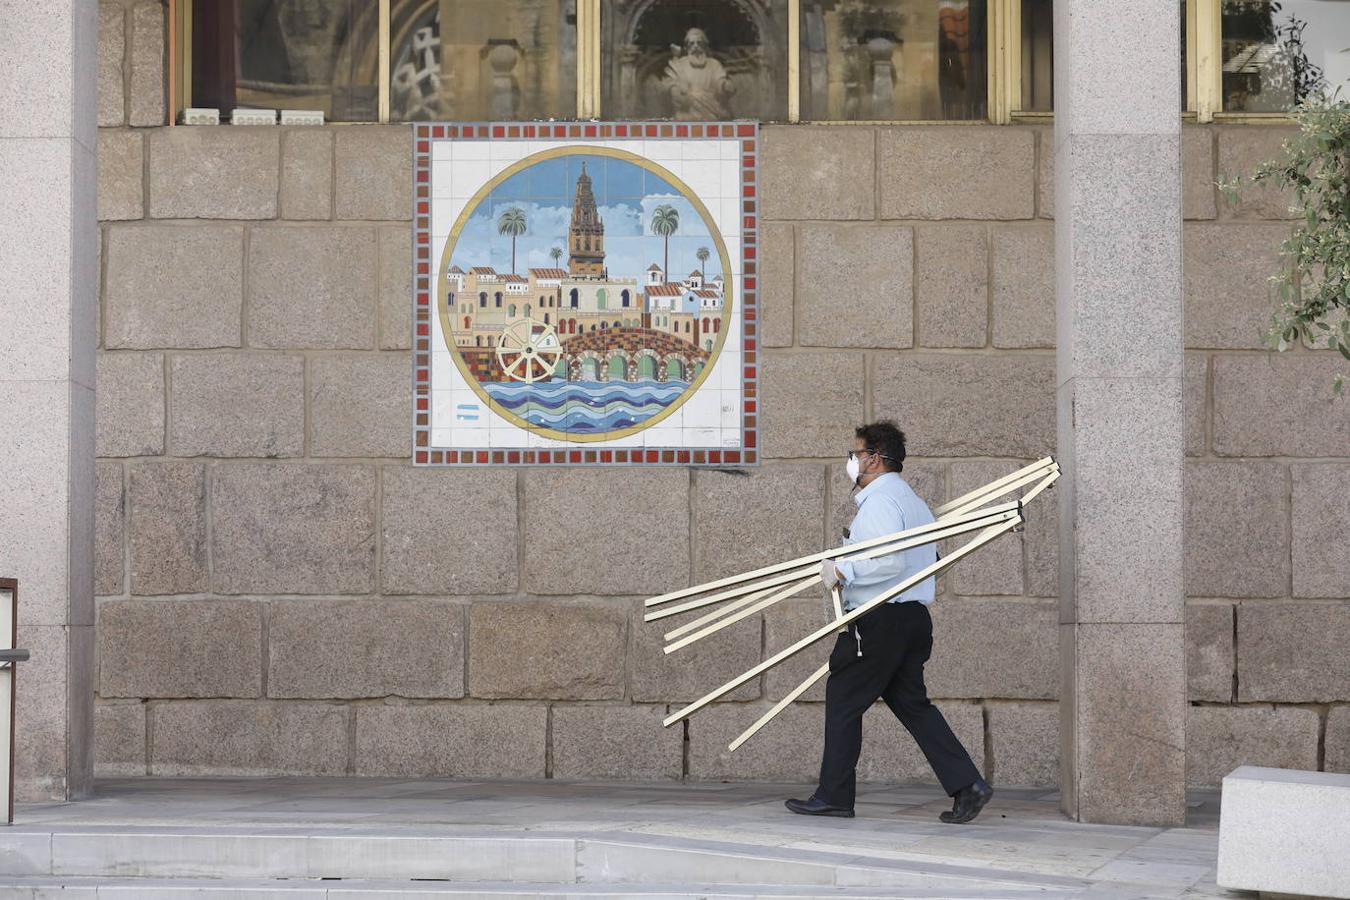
(880, 480)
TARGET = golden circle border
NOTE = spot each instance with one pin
(442, 280)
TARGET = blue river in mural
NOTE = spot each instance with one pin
(585, 406)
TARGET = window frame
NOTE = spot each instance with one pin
(1213, 83)
(1203, 75)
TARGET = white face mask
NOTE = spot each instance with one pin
(852, 468)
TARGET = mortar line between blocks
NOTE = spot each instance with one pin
(913, 287)
(332, 178)
(128, 31)
(691, 504)
(988, 237)
(522, 524)
(792, 292)
(126, 536)
(282, 136)
(1037, 152)
(167, 429)
(1322, 716)
(264, 642)
(245, 286)
(464, 620)
(149, 736)
(876, 174)
(1289, 529)
(868, 387)
(990, 765)
(828, 498)
(351, 738)
(100, 339)
(379, 305)
(684, 747)
(208, 530)
(304, 406)
(377, 517)
(1208, 411)
(548, 741)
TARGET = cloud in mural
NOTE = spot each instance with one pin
(630, 243)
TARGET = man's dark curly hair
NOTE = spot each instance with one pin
(886, 439)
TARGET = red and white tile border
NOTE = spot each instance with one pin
(424, 302)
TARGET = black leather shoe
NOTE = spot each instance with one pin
(814, 807)
(968, 802)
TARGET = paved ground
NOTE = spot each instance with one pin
(1020, 844)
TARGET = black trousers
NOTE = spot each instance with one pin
(896, 640)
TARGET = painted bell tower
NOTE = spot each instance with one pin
(586, 236)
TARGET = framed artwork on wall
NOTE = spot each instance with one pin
(585, 294)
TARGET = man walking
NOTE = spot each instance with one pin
(882, 654)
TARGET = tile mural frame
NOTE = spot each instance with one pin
(426, 261)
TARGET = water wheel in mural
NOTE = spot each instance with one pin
(528, 351)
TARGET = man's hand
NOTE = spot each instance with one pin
(829, 574)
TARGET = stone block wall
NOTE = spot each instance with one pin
(280, 591)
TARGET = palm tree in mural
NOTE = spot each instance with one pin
(703, 254)
(555, 254)
(512, 222)
(665, 222)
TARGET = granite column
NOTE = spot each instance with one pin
(1119, 384)
(48, 292)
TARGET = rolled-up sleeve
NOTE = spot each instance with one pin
(875, 519)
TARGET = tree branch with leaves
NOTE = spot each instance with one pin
(1313, 283)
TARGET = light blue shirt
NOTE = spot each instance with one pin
(885, 506)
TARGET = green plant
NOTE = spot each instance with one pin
(1313, 284)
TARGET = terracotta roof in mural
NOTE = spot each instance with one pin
(653, 268)
(514, 279)
(665, 290)
(706, 295)
(694, 274)
(549, 273)
(483, 270)
(456, 270)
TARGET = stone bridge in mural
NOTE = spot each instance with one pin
(609, 354)
(630, 354)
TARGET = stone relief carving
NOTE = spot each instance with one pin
(698, 84)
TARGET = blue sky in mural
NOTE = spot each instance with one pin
(626, 194)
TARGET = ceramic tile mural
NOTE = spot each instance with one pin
(585, 294)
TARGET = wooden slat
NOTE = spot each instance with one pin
(978, 541)
(725, 610)
(849, 552)
(779, 707)
(779, 596)
(815, 558)
(919, 541)
(1006, 489)
(946, 508)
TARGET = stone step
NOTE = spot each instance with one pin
(271, 889)
(411, 856)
